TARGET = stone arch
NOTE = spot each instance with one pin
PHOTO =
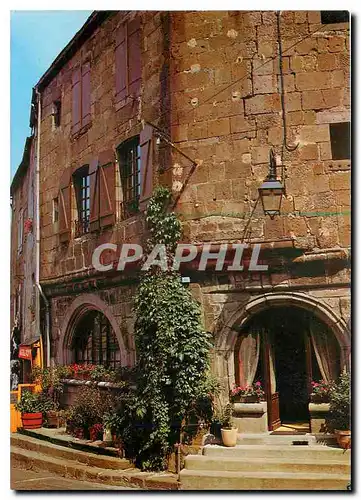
(80, 306)
(227, 336)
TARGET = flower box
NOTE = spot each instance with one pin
(319, 398)
(246, 399)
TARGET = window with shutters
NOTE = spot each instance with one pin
(81, 181)
(129, 167)
(340, 140)
(128, 60)
(56, 113)
(81, 97)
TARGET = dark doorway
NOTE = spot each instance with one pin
(289, 330)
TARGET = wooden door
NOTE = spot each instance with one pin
(308, 351)
(272, 395)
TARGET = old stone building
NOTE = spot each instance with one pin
(202, 102)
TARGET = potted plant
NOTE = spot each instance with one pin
(228, 432)
(248, 393)
(320, 391)
(31, 408)
(339, 416)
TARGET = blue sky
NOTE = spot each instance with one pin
(37, 37)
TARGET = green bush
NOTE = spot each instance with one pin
(339, 416)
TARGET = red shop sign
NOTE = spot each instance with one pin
(25, 352)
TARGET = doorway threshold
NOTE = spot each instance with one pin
(292, 428)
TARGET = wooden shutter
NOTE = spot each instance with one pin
(121, 73)
(146, 165)
(134, 55)
(107, 188)
(65, 206)
(85, 93)
(76, 98)
(94, 195)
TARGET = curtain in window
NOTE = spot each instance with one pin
(248, 357)
(326, 351)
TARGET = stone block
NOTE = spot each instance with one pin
(265, 84)
(318, 414)
(219, 127)
(315, 133)
(313, 99)
(309, 152)
(250, 418)
(340, 181)
(336, 43)
(262, 104)
(314, 80)
(327, 62)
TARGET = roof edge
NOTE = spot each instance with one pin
(95, 19)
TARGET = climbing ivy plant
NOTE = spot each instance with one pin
(172, 348)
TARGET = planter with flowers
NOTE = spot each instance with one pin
(249, 408)
(248, 393)
(319, 406)
(320, 392)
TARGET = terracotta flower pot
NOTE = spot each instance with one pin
(343, 439)
(32, 420)
(229, 437)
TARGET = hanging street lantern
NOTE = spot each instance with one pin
(271, 190)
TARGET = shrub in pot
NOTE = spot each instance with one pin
(339, 416)
(31, 408)
(229, 433)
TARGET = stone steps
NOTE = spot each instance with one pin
(203, 462)
(260, 467)
(59, 451)
(318, 452)
(260, 481)
(285, 440)
(41, 455)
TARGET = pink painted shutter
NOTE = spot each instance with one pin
(65, 206)
(76, 105)
(121, 64)
(134, 54)
(146, 165)
(85, 93)
(107, 188)
(94, 195)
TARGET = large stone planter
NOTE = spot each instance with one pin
(318, 414)
(250, 418)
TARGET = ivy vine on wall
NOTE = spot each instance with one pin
(172, 349)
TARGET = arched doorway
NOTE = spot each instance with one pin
(286, 348)
(94, 340)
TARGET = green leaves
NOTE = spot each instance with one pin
(172, 351)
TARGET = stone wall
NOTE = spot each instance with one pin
(116, 303)
(226, 114)
(110, 126)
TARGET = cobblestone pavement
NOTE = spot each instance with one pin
(23, 479)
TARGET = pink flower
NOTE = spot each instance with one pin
(258, 384)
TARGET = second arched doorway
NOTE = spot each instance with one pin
(286, 348)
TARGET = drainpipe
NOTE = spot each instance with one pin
(37, 247)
